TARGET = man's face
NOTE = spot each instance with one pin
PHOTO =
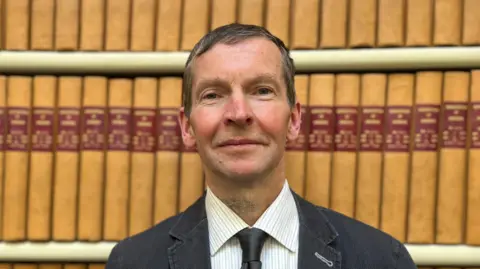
(240, 117)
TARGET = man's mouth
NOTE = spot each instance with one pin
(238, 142)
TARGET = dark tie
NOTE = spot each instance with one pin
(251, 240)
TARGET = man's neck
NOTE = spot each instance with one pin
(247, 201)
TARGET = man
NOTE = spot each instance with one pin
(239, 111)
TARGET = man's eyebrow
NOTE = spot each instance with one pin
(212, 82)
(263, 78)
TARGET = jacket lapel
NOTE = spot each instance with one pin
(191, 249)
(315, 238)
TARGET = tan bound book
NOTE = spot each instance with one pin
(277, 19)
(41, 158)
(41, 23)
(424, 163)
(143, 155)
(142, 26)
(251, 11)
(67, 157)
(92, 163)
(333, 24)
(473, 184)
(119, 125)
(320, 138)
(195, 22)
(67, 20)
(419, 24)
(447, 22)
(17, 24)
(169, 142)
(168, 25)
(398, 133)
(117, 34)
(347, 92)
(305, 24)
(471, 22)
(391, 21)
(296, 150)
(362, 23)
(223, 12)
(92, 25)
(3, 122)
(19, 94)
(370, 159)
(450, 211)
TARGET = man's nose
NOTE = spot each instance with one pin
(238, 111)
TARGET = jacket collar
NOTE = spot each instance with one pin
(191, 250)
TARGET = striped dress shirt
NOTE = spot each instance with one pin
(280, 221)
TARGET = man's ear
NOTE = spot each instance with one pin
(295, 122)
(188, 136)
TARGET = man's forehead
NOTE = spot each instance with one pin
(249, 58)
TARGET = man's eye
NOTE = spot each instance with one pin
(210, 96)
(264, 91)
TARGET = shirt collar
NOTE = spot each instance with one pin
(280, 220)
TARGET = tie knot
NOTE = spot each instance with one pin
(251, 241)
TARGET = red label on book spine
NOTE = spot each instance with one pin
(119, 126)
(398, 128)
(372, 128)
(144, 130)
(426, 127)
(454, 131)
(42, 129)
(346, 128)
(93, 128)
(17, 128)
(322, 127)
(168, 130)
(68, 122)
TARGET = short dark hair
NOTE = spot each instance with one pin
(232, 34)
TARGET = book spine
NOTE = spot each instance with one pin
(447, 22)
(419, 23)
(251, 11)
(450, 211)
(143, 155)
(398, 133)
(277, 19)
(223, 12)
(424, 167)
(195, 22)
(3, 122)
(168, 25)
(117, 178)
(41, 159)
(390, 27)
(473, 194)
(333, 24)
(321, 120)
(15, 197)
(347, 94)
(42, 19)
(370, 159)
(471, 23)
(67, 156)
(296, 150)
(169, 141)
(362, 23)
(305, 24)
(92, 163)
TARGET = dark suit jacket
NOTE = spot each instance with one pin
(327, 240)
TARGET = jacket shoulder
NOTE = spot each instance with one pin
(367, 246)
(147, 249)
